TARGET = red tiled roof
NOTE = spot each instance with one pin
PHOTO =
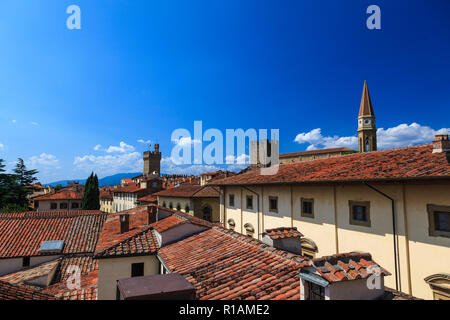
(128, 189)
(25, 276)
(106, 195)
(222, 264)
(346, 266)
(64, 194)
(138, 240)
(88, 282)
(283, 232)
(21, 234)
(407, 163)
(87, 291)
(189, 191)
(319, 151)
(10, 291)
(148, 198)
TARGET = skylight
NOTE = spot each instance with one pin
(51, 246)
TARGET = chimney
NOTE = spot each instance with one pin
(441, 144)
(124, 223)
(152, 214)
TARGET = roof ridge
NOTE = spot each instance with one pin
(148, 227)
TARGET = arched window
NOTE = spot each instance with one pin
(231, 224)
(170, 205)
(367, 145)
(207, 213)
(187, 209)
(164, 204)
(440, 285)
(178, 206)
(249, 229)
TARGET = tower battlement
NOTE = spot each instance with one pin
(152, 161)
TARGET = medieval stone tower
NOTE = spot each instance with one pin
(367, 131)
(152, 162)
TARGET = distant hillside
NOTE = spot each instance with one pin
(105, 181)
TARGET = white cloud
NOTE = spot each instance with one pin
(399, 136)
(110, 164)
(34, 123)
(2, 146)
(97, 147)
(406, 135)
(14, 121)
(169, 167)
(123, 148)
(43, 160)
(144, 141)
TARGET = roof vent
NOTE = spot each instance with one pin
(441, 144)
(124, 223)
(55, 246)
(284, 238)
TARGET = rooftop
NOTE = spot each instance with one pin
(22, 234)
(318, 151)
(283, 232)
(407, 163)
(63, 194)
(10, 291)
(189, 191)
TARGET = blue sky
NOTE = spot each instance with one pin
(141, 69)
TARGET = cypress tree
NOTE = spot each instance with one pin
(91, 198)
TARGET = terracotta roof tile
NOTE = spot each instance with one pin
(21, 234)
(408, 163)
(283, 232)
(10, 291)
(222, 264)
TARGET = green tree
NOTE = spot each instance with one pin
(21, 179)
(91, 200)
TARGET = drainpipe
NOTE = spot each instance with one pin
(257, 210)
(394, 233)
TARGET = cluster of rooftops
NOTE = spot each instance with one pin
(219, 263)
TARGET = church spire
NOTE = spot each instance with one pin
(365, 109)
(367, 131)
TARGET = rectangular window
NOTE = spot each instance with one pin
(53, 206)
(273, 204)
(231, 200)
(63, 205)
(26, 262)
(307, 208)
(137, 269)
(249, 202)
(75, 205)
(359, 213)
(316, 292)
(438, 220)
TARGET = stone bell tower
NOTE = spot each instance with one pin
(152, 162)
(367, 131)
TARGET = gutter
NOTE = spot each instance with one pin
(394, 234)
